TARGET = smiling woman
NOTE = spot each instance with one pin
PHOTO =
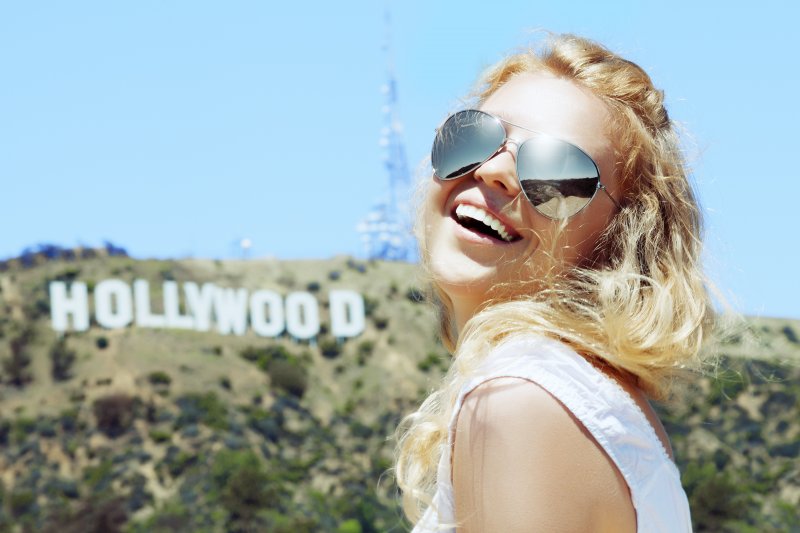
(562, 240)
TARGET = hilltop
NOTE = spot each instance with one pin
(147, 429)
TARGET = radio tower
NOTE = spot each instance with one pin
(386, 230)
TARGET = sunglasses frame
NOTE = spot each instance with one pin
(518, 144)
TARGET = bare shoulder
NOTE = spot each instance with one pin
(523, 462)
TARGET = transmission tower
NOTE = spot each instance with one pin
(386, 230)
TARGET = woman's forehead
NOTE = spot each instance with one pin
(554, 106)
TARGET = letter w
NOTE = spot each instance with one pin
(230, 307)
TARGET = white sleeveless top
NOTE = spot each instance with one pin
(604, 408)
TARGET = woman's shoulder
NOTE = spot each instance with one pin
(588, 388)
(519, 452)
(535, 410)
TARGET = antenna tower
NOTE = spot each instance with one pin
(386, 230)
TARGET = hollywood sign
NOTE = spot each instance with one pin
(117, 305)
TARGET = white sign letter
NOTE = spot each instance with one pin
(198, 302)
(347, 313)
(172, 310)
(260, 302)
(144, 316)
(104, 307)
(230, 308)
(302, 315)
(62, 305)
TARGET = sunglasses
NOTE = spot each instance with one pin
(558, 178)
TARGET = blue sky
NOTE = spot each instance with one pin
(177, 128)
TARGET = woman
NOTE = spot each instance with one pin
(562, 239)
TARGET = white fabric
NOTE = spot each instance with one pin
(604, 408)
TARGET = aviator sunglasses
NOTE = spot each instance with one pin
(558, 178)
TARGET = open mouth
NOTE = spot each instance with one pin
(477, 220)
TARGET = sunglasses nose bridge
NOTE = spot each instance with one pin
(499, 171)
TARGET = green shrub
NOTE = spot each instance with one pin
(715, 497)
(77, 396)
(790, 335)
(381, 322)
(243, 485)
(69, 274)
(264, 355)
(288, 377)
(61, 360)
(415, 295)
(21, 502)
(330, 348)
(370, 305)
(203, 408)
(159, 377)
(98, 513)
(178, 461)
(5, 432)
(23, 426)
(160, 435)
(364, 351)
(349, 526)
(114, 413)
(98, 477)
(101, 342)
(16, 365)
(313, 286)
(173, 516)
(286, 370)
(225, 383)
(432, 360)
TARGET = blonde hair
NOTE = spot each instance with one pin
(639, 307)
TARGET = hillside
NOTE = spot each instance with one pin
(154, 429)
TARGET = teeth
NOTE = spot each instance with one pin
(470, 211)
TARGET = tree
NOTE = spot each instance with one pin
(16, 366)
(61, 359)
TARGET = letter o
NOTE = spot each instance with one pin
(104, 309)
(260, 301)
(302, 315)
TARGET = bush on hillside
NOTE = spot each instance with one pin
(16, 366)
(159, 377)
(715, 497)
(205, 408)
(330, 348)
(61, 360)
(415, 295)
(364, 351)
(313, 286)
(98, 514)
(114, 413)
(244, 487)
(288, 377)
(21, 502)
(287, 371)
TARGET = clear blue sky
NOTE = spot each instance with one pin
(177, 128)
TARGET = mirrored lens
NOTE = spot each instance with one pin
(558, 178)
(464, 142)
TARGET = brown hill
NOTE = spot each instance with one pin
(156, 429)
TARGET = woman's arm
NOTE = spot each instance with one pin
(522, 462)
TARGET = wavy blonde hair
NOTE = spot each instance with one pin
(639, 307)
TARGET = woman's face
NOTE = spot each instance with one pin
(466, 263)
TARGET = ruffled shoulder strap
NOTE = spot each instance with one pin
(607, 411)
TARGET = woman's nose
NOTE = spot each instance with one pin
(500, 170)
